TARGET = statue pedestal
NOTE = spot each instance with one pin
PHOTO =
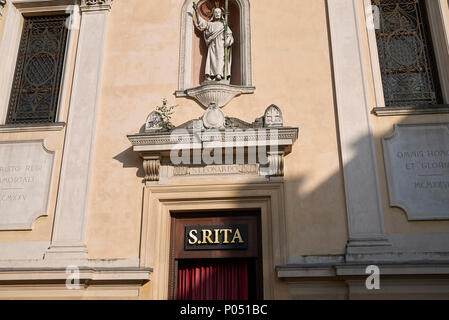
(218, 92)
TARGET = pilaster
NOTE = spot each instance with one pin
(69, 231)
(364, 211)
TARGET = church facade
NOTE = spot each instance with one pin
(232, 149)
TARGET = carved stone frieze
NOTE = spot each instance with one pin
(217, 145)
(230, 123)
(168, 140)
(272, 119)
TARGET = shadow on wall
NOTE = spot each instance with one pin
(130, 159)
(317, 222)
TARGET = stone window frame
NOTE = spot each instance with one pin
(438, 17)
(185, 80)
(9, 46)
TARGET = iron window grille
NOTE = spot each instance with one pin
(407, 61)
(37, 79)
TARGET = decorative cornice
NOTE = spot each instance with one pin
(284, 133)
(153, 147)
(96, 5)
(58, 126)
(410, 110)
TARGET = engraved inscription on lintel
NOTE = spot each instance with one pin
(417, 165)
(25, 177)
(217, 170)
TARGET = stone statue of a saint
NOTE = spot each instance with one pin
(219, 48)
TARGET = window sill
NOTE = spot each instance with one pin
(10, 128)
(399, 111)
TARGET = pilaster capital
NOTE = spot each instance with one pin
(96, 5)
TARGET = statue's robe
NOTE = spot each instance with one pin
(214, 36)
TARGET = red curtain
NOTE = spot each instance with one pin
(213, 281)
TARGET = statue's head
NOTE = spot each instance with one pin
(217, 14)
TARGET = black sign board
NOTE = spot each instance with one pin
(228, 237)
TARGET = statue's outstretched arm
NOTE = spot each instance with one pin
(200, 23)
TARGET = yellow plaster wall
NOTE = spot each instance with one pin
(291, 68)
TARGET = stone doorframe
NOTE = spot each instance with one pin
(161, 200)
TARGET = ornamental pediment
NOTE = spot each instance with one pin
(239, 147)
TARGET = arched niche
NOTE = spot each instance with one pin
(193, 49)
(200, 47)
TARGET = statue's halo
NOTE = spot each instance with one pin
(211, 9)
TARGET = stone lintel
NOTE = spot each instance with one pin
(271, 144)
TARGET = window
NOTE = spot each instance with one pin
(37, 80)
(406, 57)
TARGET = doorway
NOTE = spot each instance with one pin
(216, 256)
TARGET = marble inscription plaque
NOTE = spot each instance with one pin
(25, 177)
(417, 166)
